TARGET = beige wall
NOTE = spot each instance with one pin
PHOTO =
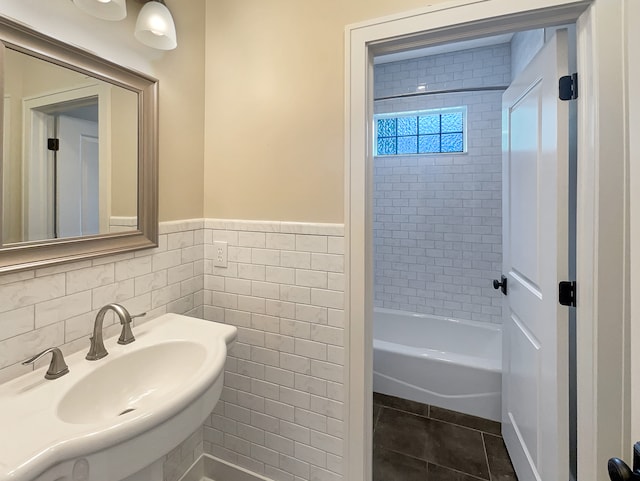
(275, 106)
(181, 74)
(124, 153)
(12, 156)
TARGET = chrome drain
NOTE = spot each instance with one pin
(126, 411)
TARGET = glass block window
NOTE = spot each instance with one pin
(424, 132)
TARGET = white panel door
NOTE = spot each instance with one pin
(77, 178)
(535, 243)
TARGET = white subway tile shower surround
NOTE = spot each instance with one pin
(438, 217)
(477, 67)
(281, 410)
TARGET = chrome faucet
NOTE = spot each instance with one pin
(97, 349)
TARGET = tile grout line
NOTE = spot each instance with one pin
(377, 417)
(441, 420)
(440, 465)
(486, 456)
(462, 426)
(482, 433)
(458, 471)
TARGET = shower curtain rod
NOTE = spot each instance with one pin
(446, 91)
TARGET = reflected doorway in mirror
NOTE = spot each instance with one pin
(73, 185)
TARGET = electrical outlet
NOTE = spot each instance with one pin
(220, 254)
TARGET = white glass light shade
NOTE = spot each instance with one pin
(155, 27)
(104, 9)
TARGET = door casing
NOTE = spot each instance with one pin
(34, 132)
(603, 417)
(633, 108)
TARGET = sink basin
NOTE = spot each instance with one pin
(115, 416)
(150, 375)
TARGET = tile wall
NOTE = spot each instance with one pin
(281, 413)
(524, 46)
(282, 405)
(56, 306)
(477, 67)
(438, 217)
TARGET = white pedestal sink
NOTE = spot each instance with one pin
(109, 419)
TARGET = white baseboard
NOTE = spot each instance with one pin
(210, 468)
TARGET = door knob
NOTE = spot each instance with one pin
(620, 471)
(501, 284)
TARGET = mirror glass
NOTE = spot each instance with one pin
(79, 150)
(70, 153)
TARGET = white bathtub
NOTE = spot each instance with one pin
(434, 360)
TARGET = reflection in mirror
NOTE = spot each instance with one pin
(70, 153)
(79, 153)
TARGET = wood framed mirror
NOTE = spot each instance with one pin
(79, 153)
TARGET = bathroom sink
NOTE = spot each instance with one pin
(112, 418)
(133, 381)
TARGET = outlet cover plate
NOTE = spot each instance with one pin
(220, 254)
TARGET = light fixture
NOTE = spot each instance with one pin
(104, 9)
(155, 27)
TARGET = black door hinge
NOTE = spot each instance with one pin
(53, 144)
(567, 293)
(568, 87)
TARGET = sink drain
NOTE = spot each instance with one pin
(126, 411)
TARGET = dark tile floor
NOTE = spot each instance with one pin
(416, 442)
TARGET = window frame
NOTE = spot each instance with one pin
(419, 113)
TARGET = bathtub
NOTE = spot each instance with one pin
(434, 360)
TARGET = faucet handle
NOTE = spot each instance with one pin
(57, 367)
(142, 314)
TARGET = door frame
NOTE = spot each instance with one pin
(38, 200)
(6, 168)
(633, 110)
(33, 160)
(602, 256)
